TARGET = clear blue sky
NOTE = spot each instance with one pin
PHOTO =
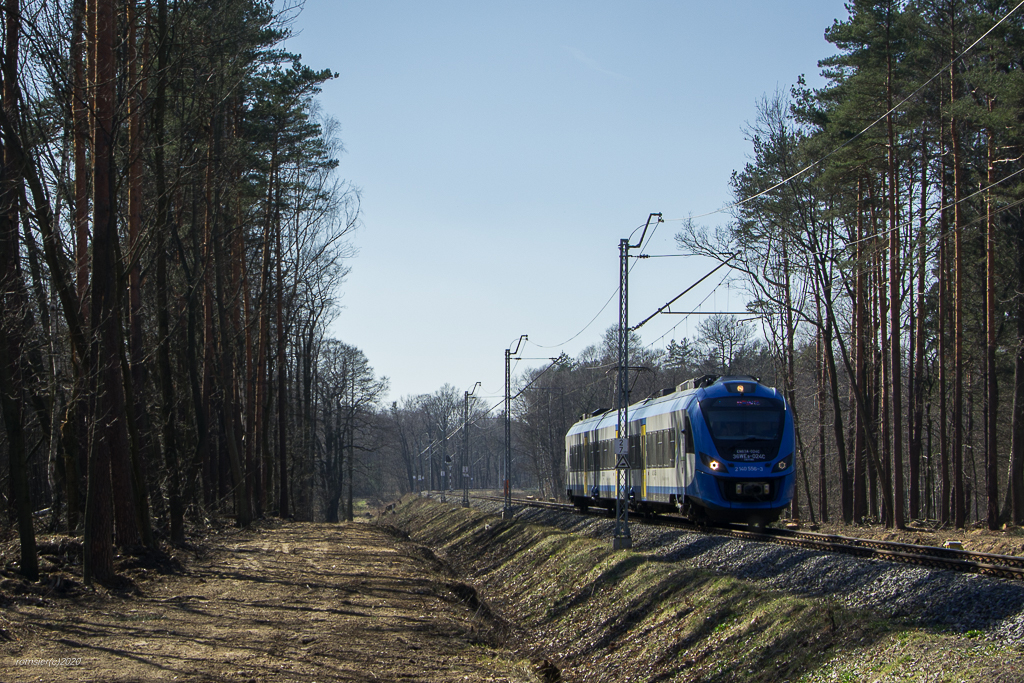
(503, 149)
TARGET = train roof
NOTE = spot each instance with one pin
(678, 399)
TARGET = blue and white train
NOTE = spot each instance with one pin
(716, 448)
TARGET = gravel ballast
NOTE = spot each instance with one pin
(927, 597)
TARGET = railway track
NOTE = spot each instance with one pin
(989, 564)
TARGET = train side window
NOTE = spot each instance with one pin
(671, 460)
(687, 434)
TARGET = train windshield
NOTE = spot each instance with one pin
(745, 429)
(735, 424)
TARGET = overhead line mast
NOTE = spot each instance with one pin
(506, 512)
(622, 538)
(465, 448)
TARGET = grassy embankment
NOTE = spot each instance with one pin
(620, 616)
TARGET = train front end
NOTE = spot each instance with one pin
(743, 438)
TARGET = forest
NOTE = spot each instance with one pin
(878, 231)
(175, 235)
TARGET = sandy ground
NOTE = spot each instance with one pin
(292, 602)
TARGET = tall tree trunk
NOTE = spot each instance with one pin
(895, 305)
(139, 420)
(860, 500)
(1016, 475)
(959, 260)
(879, 460)
(83, 25)
(15, 307)
(80, 117)
(944, 315)
(845, 480)
(209, 457)
(822, 470)
(108, 446)
(282, 368)
(242, 320)
(168, 412)
(883, 469)
(885, 472)
(77, 413)
(228, 383)
(193, 366)
(349, 508)
(991, 452)
(791, 381)
(917, 404)
(261, 399)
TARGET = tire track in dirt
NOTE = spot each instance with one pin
(294, 602)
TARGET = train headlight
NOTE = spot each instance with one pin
(711, 463)
(784, 464)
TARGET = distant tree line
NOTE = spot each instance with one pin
(419, 443)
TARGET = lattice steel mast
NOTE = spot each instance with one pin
(622, 538)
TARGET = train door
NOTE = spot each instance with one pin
(686, 465)
(584, 462)
(643, 460)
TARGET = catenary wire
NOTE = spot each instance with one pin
(799, 173)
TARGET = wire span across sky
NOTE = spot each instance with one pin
(504, 149)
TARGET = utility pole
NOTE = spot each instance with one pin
(465, 448)
(622, 538)
(506, 512)
(430, 462)
(444, 469)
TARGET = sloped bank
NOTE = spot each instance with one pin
(638, 616)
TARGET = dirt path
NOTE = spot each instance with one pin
(299, 602)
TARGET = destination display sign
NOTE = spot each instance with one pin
(748, 454)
